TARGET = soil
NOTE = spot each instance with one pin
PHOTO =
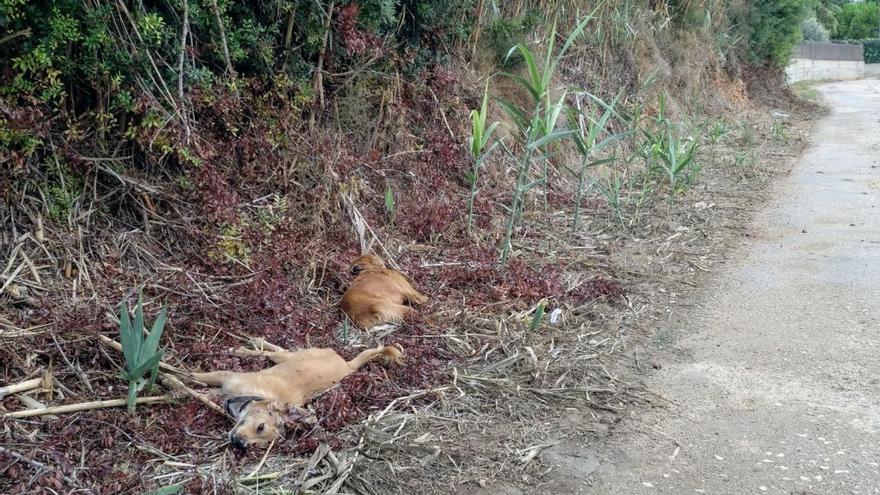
(772, 385)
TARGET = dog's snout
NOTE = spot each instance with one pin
(238, 442)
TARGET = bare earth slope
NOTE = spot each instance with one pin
(780, 393)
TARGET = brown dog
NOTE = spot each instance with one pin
(262, 402)
(377, 294)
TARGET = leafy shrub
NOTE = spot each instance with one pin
(857, 20)
(813, 30)
(773, 29)
(872, 50)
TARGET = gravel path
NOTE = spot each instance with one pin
(780, 392)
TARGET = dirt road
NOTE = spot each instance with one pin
(780, 389)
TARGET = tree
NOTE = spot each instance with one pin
(814, 30)
(857, 21)
(773, 27)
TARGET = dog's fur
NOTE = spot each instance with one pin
(377, 294)
(262, 402)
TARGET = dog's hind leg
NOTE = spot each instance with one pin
(212, 378)
(389, 312)
(415, 297)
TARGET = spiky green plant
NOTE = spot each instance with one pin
(676, 156)
(536, 126)
(591, 126)
(538, 316)
(142, 353)
(479, 138)
(611, 188)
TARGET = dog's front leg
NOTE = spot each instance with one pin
(260, 344)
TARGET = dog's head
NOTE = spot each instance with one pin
(259, 421)
(365, 263)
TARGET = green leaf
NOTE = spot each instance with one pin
(538, 316)
(536, 80)
(484, 106)
(389, 200)
(534, 91)
(553, 136)
(137, 329)
(152, 342)
(516, 114)
(129, 351)
(147, 365)
(488, 134)
(169, 490)
(555, 110)
(548, 73)
(476, 133)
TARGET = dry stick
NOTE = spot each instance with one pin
(185, 31)
(39, 465)
(86, 406)
(288, 36)
(76, 369)
(318, 84)
(223, 38)
(21, 387)
(171, 381)
(358, 220)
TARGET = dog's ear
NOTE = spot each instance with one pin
(293, 415)
(236, 406)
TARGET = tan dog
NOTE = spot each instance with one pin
(377, 294)
(262, 402)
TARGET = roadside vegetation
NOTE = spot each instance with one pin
(548, 172)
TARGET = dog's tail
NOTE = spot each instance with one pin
(389, 353)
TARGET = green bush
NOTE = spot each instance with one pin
(773, 29)
(118, 65)
(813, 30)
(872, 50)
(857, 20)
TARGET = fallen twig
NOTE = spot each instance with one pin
(85, 406)
(20, 387)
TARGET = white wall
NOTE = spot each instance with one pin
(872, 70)
(802, 69)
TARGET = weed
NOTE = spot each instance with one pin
(389, 202)
(747, 135)
(538, 316)
(536, 126)
(806, 90)
(779, 134)
(591, 126)
(611, 188)
(677, 158)
(716, 133)
(231, 246)
(477, 141)
(142, 354)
